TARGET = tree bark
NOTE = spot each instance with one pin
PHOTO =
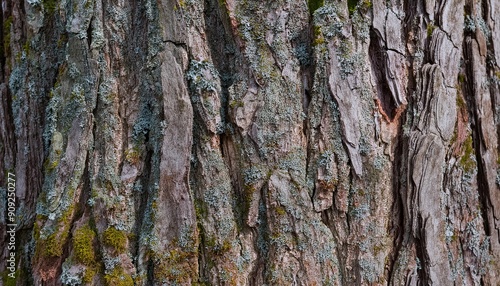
(235, 142)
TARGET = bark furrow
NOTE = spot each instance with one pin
(208, 142)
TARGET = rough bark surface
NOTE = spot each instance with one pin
(240, 142)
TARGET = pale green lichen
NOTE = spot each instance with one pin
(360, 212)
(202, 76)
(68, 277)
(368, 270)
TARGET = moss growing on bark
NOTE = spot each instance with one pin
(118, 277)
(6, 37)
(8, 280)
(235, 103)
(133, 155)
(461, 102)
(354, 5)
(430, 29)
(351, 4)
(314, 5)
(318, 37)
(50, 166)
(280, 210)
(89, 275)
(83, 245)
(467, 161)
(175, 266)
(116, 239)
(50, 6)
(52, 246)
(461, 78)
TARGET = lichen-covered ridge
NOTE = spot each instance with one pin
(238, 142)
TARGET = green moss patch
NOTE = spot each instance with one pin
(315, 5)
(430, 29)
(9, 281)
(118, 277)
(116, 239)
(50, 6)
(52, 246)
(175, 266)
(351, 4)
(83, 244)
(6, 37)
(133, 155)
(467, 160)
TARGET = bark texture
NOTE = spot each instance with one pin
(242, 142)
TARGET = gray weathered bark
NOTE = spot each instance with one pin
(205, 142)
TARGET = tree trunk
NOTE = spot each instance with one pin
(240, 142)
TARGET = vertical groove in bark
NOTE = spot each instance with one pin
(378, 59)
(206, 142)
